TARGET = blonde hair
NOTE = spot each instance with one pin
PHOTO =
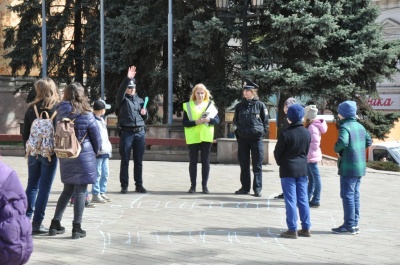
(200, 86)
(46, 90)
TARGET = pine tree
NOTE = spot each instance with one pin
(324, 49)
(139, 37)
(71, 47)
(321, 49)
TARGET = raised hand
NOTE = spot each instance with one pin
(131, 72)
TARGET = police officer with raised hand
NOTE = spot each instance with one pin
(131, 120)
(251, 125)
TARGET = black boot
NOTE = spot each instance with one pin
(77, 231)
(205, 190)
(56, 228)
(192, 189)
(38, 228)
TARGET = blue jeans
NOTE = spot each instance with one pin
(41, 174)
(129, 141)
(350, 194)
(204, 148)
(256, 149)
(295, 194)
(102, 176)
(314, 183)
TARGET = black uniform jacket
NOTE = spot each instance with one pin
(250, 119)
(129, 107)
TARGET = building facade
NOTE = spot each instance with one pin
(389, 91)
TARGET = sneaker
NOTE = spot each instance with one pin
(354, 230)
(140, 189)
(241, 191)
(257, 194)
(96, 198)
(343, 229)
(89, 204)
(103, 195)
(314, 204)
(304, 233)
(289, 234)
(192, 189)
(280, 196)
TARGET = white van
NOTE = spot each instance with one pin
(388, 150)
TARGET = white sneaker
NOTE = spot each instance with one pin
(103, 195)
(96, 198)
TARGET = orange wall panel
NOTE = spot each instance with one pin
(328, 139)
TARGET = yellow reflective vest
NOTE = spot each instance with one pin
(200, 132)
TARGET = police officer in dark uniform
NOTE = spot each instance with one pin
(131, 122)
(251, 125)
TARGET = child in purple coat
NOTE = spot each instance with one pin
(15, 227)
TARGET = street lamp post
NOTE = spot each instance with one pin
(44, 40)
(170, 63)
(226, 5)
(102, 71)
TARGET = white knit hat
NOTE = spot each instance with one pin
(310, 112)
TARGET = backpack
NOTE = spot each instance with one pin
(66, 145)
(41, 138)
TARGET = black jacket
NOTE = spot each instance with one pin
(291, 151)
(129, 107)
(30, 116)
(250, 119)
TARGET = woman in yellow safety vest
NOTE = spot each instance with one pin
(199, 117)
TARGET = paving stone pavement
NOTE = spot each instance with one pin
(169, 226)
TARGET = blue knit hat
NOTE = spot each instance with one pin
(295, 113)
(348, 109)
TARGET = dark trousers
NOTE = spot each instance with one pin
(256, 149)
(79, 192)
(131, 141)
(204, 148)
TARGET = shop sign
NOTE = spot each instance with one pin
(385, 102)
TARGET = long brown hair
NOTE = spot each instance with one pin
(47, 91)
(75, 93)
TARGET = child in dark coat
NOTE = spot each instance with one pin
(291, 155)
